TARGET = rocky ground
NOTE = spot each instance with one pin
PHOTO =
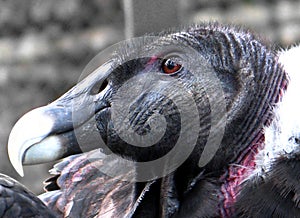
(44, 46)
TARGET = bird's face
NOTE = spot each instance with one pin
(155, 101)
(141, 104)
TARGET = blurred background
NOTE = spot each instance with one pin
(45, 45)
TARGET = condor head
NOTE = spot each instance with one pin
(196, 98)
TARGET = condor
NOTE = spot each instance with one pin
(200, 122)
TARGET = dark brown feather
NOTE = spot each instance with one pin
(85, 191)
(18, 201)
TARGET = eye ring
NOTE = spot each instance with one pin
(170, 66)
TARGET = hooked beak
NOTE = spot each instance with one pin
(48, 133)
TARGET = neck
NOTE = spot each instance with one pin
(271, 136)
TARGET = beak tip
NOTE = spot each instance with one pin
(19, 169)
(16, 162)
(14, 156)
(29, 129)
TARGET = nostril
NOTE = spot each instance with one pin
(103, 85)
(99, 87)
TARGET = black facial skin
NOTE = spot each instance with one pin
(144, 106)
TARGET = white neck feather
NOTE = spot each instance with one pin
(282, 136)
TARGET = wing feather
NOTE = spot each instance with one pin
(85, 191)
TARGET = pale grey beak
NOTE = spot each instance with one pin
(47, 133)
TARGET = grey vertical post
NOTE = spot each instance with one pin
(144, 16)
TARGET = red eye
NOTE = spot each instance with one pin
(170, 67)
